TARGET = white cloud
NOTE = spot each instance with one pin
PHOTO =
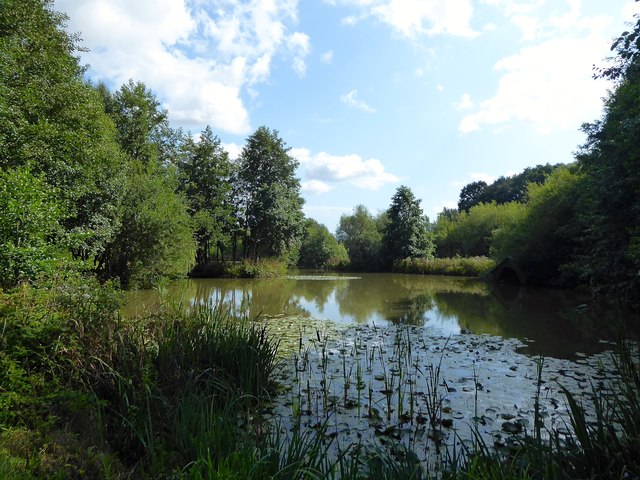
(316, 187)
(327, 57)
(465, 103)
(417, 17)
(548, 83)
(300, 46)
(198, 57)
(234, 150)
(351, 99)
(352, 169)
(549, 86)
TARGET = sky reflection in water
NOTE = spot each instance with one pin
(554, 322)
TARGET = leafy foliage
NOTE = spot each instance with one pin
(155, 237)
(271, 201)
(610, 159)
(544, 235)
(471, 233)
(319, 248)
(54, 123)
(205, 179)
(361, 236)
(504, 189)
(29, 226)
(406, 234)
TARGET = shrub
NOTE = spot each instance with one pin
(456, 266)
(265, 267)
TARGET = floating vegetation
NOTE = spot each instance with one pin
(322, 277)
(408, 388)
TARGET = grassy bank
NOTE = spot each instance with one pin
(186, 393)
(455, 266)
(262, 268)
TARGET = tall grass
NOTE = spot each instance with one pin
(264, 267)
(455, 266)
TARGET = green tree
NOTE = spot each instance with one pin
(156, 234)
(53, 122)
(320, 249)
(406, 234)
(610, 159)
(29, 226)
(205, 179)
(271, 201)
(504, 189)
(542, 236)
(141, 122)
(471, 233)
(443, 237)
(470, 195)
(361, 237)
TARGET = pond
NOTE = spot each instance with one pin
(555, 323)
(427, 363)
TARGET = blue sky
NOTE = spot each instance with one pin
(369, 94)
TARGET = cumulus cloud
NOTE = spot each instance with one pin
(351, 100)
(199, 57)
(548, 83)
(411, 18)
(321, 170)
(234, 150)
(549, 86)
(300, 46)
(316, 187)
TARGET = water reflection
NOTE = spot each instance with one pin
(557, 323)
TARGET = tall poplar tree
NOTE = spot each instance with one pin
(272, 205)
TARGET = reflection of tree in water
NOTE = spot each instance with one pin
(316, 291)
(410, 311)
(384, 295)
(251, 297)
(549, 317)
(362, 299)
(431, 284)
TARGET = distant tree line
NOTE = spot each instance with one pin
(375, 242)
(572, 224)
(101, 179)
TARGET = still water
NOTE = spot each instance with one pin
(554, 323)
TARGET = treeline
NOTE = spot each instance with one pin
(561, 225)
(577, 224)
(101, 177)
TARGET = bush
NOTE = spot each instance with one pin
(456, 266)
(266, 267)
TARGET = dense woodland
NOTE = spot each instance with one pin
(101, 179)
